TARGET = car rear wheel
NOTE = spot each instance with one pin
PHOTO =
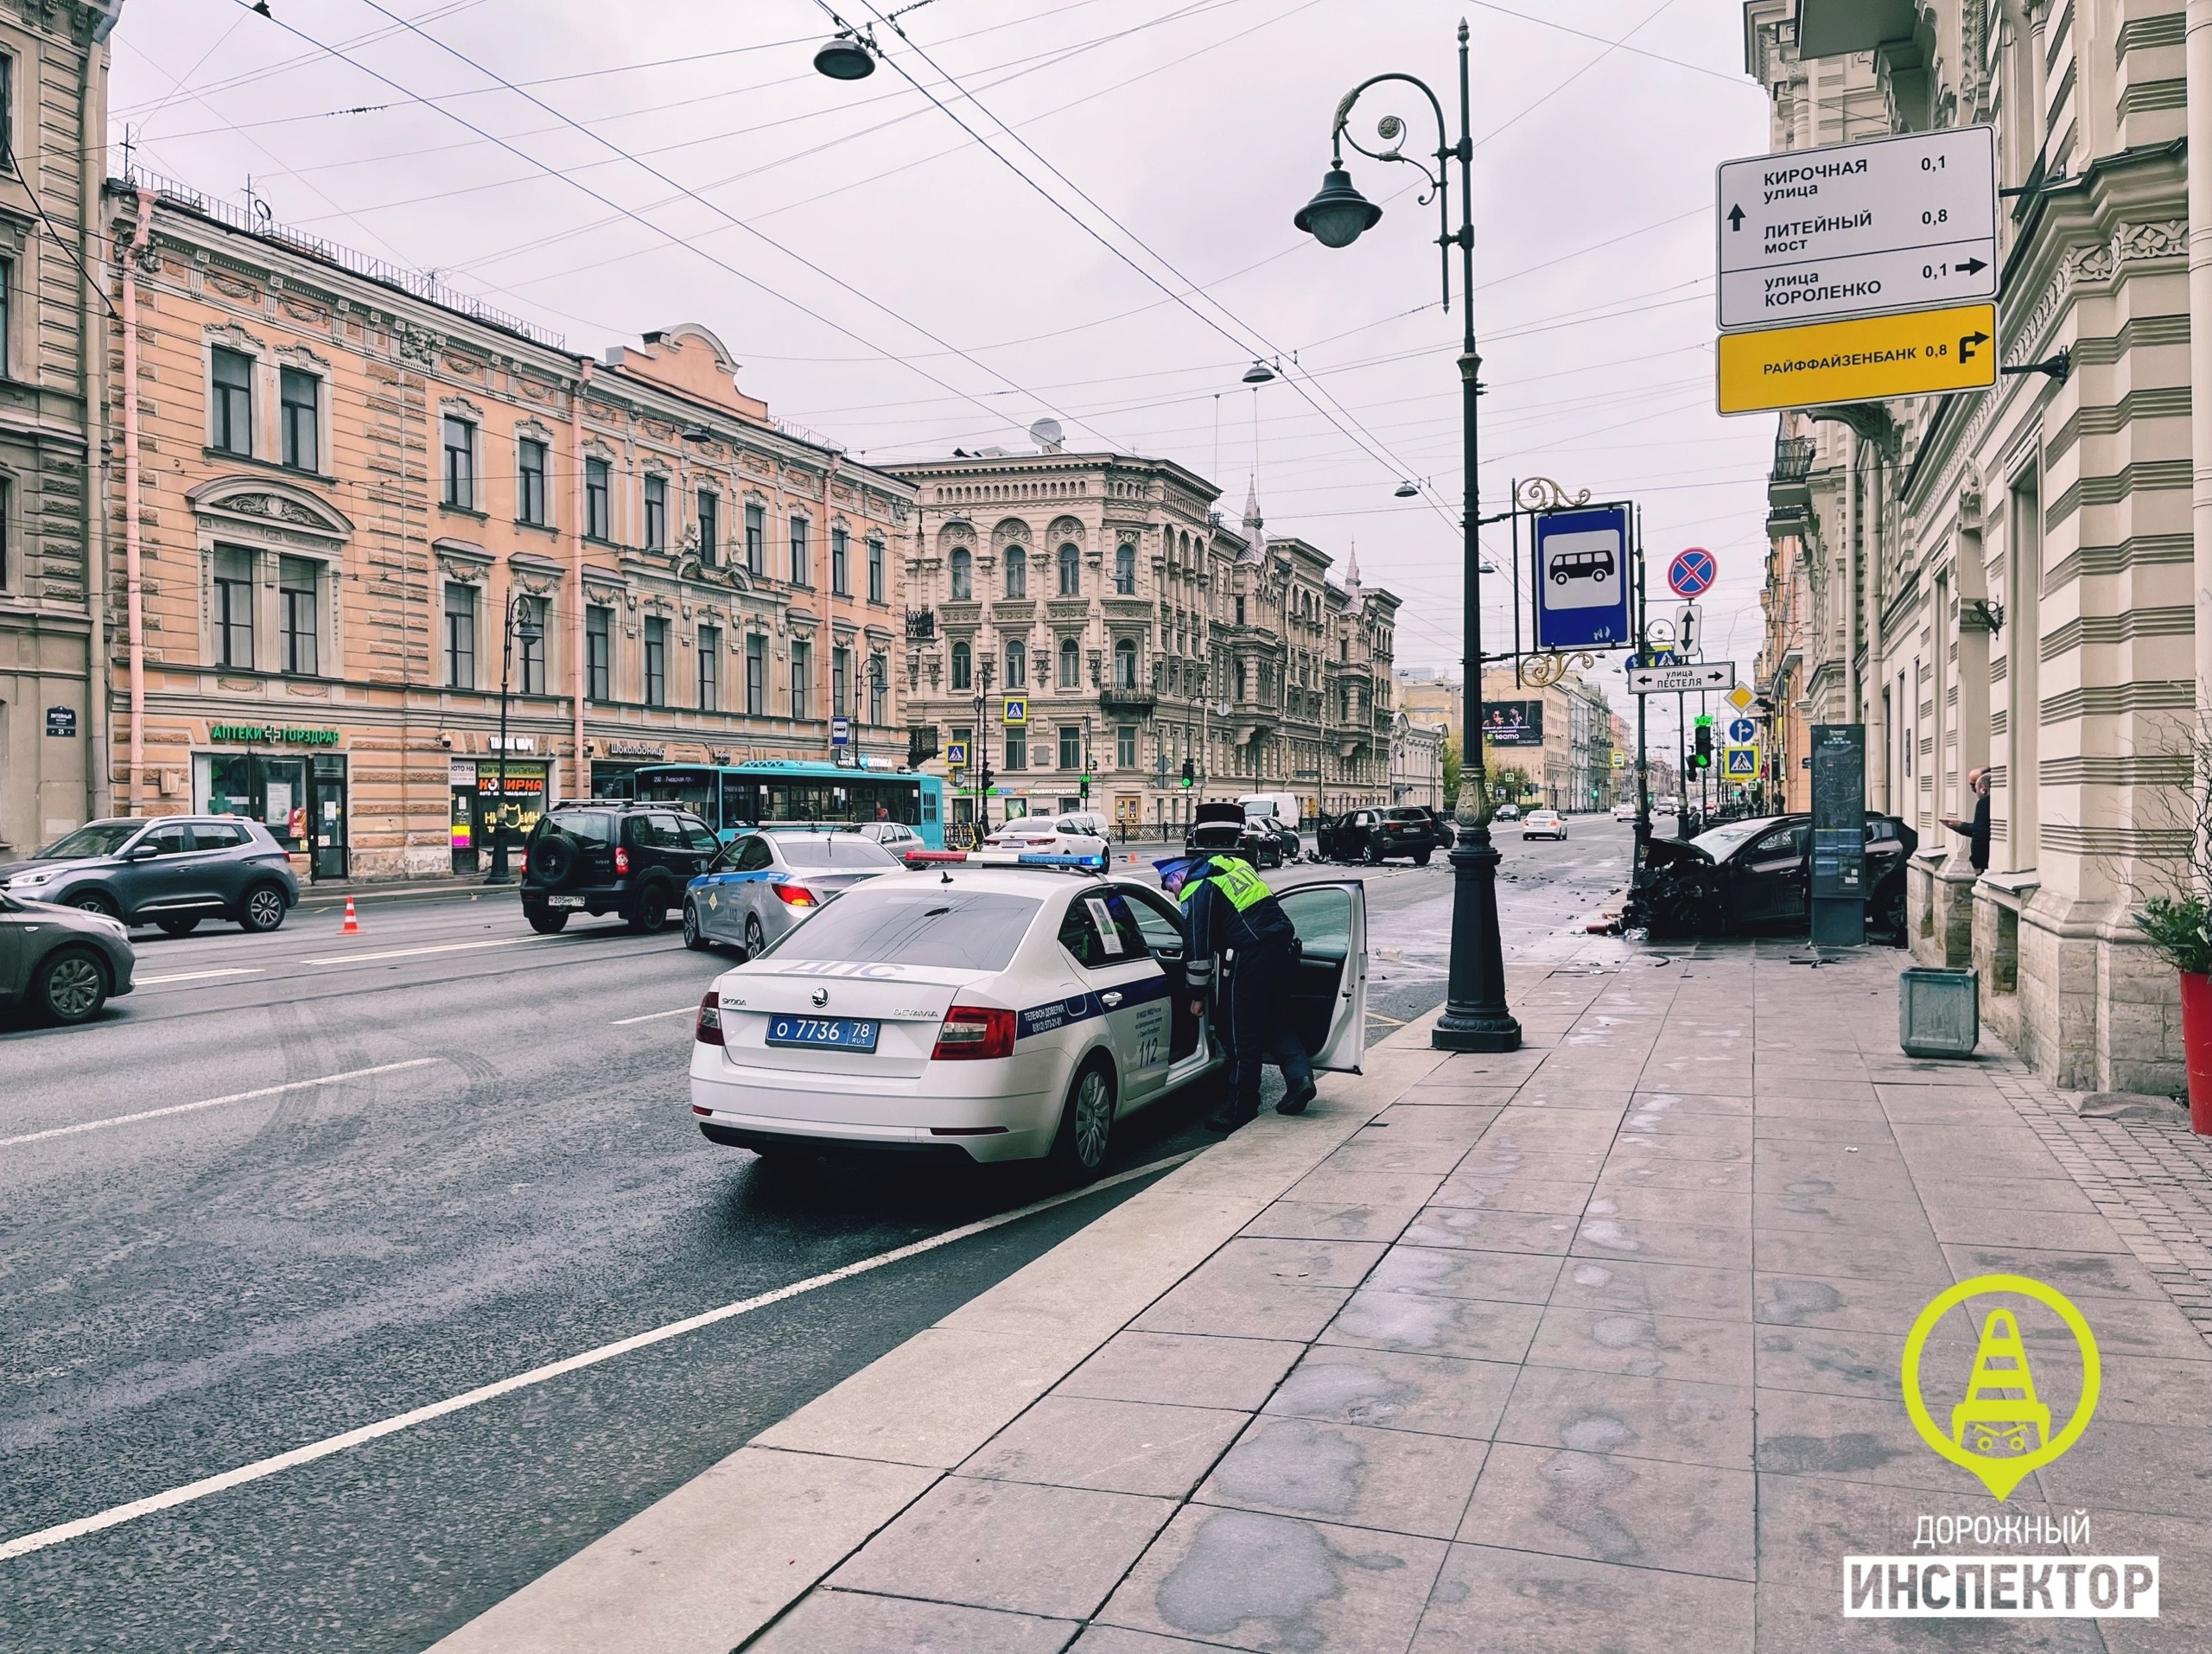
(1421, 858)
(546, 922)
(263, 909)
(183, 926)
(92, 902)
(71, 986)
(650, 916)
(1086, 1125)
(755, 938)
(694, 938)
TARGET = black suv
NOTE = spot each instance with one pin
(1375, 835)
(612, 856)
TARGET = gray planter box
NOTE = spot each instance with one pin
(1939, 1012)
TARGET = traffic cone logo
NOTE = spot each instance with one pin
(352, 926)
(2000, 1406)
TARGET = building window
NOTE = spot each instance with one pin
(1071, 746)
(841, 671)
(460, 463)
(841, 576)
(296, 583)
(799, 552)
(530, 481)
(963, 676)
(710, 650)
(1125, 570)
(6, 265)
(299, 411)
(597, 485)
(6, 532)
(756, 540)
(875, 589)
(1070, 572)
(802, 673)
(656, 660)
(964, 574)
(655, 513)
(599, 653)
(1017, 664)
(1017, 572)
(530, 652)
(230, 403)
(756, 674)
(711, 527)
(1125, 663)
(1017, 750)
(234, 610)
(879, 688)
(1125, 747)
(460, 637)
(1240, 611)
(1071, 664)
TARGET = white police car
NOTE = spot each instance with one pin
(763, 883)
(983, 1006)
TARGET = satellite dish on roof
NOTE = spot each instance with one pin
(1047, 435)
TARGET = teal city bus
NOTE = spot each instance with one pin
(729, 797)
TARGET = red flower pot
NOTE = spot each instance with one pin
(2197, 1048)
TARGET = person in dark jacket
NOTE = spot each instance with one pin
(1226, 908)
(1976, 831)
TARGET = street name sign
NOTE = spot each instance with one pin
(1581, 578)
(1868, 359)
(1888, 224)
(1691, 573)
(1671, 680)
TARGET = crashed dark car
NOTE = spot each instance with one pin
(1375, 835)
(1753, 878)
(1222, 829)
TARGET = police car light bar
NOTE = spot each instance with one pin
(1010, 859)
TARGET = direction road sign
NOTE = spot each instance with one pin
(1742, 731)
(1870, 358)
(1016, 709)
(1667, 680)
(1740, 698)
(1854, 229)
(1739, 764)
(955, 754)
(1581, 578)
(1691, 573)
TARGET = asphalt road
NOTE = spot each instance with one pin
(190, 1293)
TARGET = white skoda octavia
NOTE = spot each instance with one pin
(1005, 1012)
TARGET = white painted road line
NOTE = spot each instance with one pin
(63, 1532)
(653, 1016)
(409, 953)
(201, 976)
(216, 1102)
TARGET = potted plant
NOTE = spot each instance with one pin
(2179, 930)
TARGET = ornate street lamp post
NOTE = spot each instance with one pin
(521, 622)
(1475, 1015)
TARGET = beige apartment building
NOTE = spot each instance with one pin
(2015, 578)
(349, 506)
(53, 67)
(1136, 632)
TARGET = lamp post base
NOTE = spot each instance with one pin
(1475, 1017)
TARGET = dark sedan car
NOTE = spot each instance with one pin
(61, 964)
(1223, 827)
(172, 871)
(1753, 878)
(1376, 836)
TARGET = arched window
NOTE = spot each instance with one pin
(1017, 572)
(961, 676)
(1125, 569)
(1017, 664)
(1125, 663)
(1071, 664)
(1070, 572)
(964, 574)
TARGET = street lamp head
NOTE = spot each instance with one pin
(1405, 491)
(529, 630)
(697, 434)
(1258, 373)
(1338, 215)
(844, 59)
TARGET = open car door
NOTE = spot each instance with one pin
(1329, 996)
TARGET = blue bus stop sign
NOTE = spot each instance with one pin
(1580, 578)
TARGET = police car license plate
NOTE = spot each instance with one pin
(838, 1033)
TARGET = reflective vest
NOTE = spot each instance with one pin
(1236, 881)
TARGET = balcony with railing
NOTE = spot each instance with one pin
(921, 626)
(1789, 482)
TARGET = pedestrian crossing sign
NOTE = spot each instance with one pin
(955, 754)
(1016, 710)
(1740, 764)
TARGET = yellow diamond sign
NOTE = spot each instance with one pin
(1864, 359)
(1739, 697)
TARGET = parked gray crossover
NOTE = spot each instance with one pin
(172, 871)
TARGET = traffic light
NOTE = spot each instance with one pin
(1703, 756)
(1085, 788)
(1188, 775)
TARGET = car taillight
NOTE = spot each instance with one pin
(973, 1032)
(622, 860)
(708, 1030)
(794, 895)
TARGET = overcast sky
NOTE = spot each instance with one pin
(892, 285)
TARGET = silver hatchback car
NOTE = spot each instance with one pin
(172, 871)
(765, 882)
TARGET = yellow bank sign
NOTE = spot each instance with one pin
(1863, 359)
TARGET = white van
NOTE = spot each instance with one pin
(1281, 806)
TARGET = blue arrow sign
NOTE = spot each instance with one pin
(1742, 731)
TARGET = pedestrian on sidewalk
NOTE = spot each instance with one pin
(1976, 831)
(1227, 908)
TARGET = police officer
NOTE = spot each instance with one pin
(1225, 905)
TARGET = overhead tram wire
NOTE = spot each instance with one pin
(745, 277)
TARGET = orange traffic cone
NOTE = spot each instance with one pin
(352, 926)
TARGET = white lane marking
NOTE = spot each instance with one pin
(114, 1517)
(216, 1102)
(199, 975)
(409, 953)
(653, 1016)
